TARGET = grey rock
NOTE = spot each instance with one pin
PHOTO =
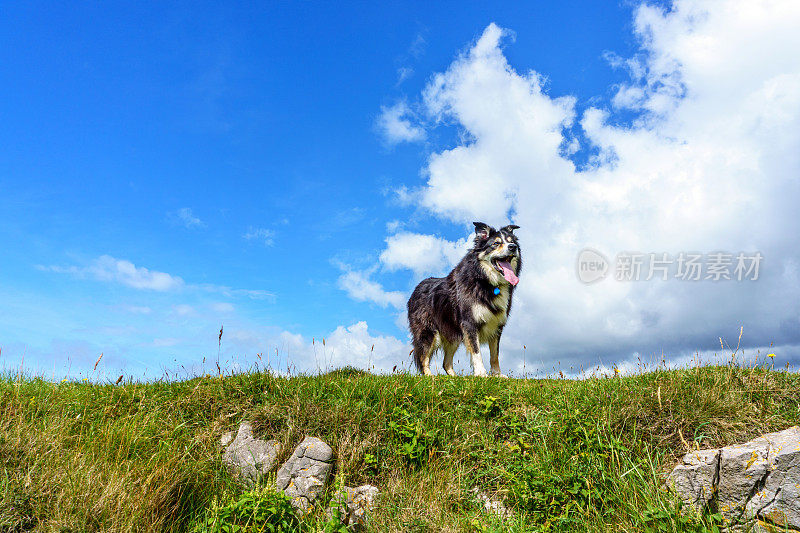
(695, 479)
(304, 475)
(755, 485)
(777, 496)
(226, 439)
(249, 457)
(354, 505)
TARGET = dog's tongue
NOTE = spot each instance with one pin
(508, 272)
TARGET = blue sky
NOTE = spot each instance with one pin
(165, 170)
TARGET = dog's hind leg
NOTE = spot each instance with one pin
(472, 343)
(424, 346)
(449, 351)
(494, 355)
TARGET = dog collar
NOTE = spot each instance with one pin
(496, 291)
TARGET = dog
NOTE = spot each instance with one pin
(470, 305)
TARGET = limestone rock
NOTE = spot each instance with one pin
(753, 485)
(354, 505)
(304, 475)
(249, 457)
(695, 479)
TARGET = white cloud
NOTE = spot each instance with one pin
(352, 345)
(417, 47)
(395, 124)
(516, 130)
(110, 269)
(187, 218)
(711, 163)
(355, 346)
(415, 50)
(349, 346)
(230, 292)
(359, 287)
(423, 254)
(107, 268)
(393, 226)
(262, 235)
(403, 73)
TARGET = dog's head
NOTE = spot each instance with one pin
(498, 252)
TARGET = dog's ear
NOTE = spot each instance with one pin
(510, 228)
(482, 230)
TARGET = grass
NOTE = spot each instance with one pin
(563, 455)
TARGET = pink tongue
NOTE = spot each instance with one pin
(508, 272)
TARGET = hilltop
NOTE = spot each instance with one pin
(560, 454)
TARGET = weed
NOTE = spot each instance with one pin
(371, 463)
(489, 406)
(257, 510)
(679, 519)
(414, 442)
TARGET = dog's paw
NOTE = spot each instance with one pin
(498, 374)
(480, 373)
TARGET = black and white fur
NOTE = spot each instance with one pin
(462, 307)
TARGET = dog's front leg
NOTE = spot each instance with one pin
(473, 346)
(494, 355)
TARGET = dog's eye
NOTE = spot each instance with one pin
(498, 241)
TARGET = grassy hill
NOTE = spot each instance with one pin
(563, 455)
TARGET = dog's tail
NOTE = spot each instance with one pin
(417, 357)
(422, 346)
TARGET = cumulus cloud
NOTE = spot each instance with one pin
(107, 268)
(360, 287)
(423, 254)
(352, 345)
(396, 126)
(514, 131)
(711, 162)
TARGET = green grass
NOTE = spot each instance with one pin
(564, 455)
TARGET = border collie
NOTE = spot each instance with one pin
(470, 305)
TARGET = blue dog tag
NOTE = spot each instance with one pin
(496, 291)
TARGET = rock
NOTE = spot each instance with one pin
(247, 456)
(354, 505)
(695, 479)
(493, 506)
(753, 485)
(304, 475)
(226, 438)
